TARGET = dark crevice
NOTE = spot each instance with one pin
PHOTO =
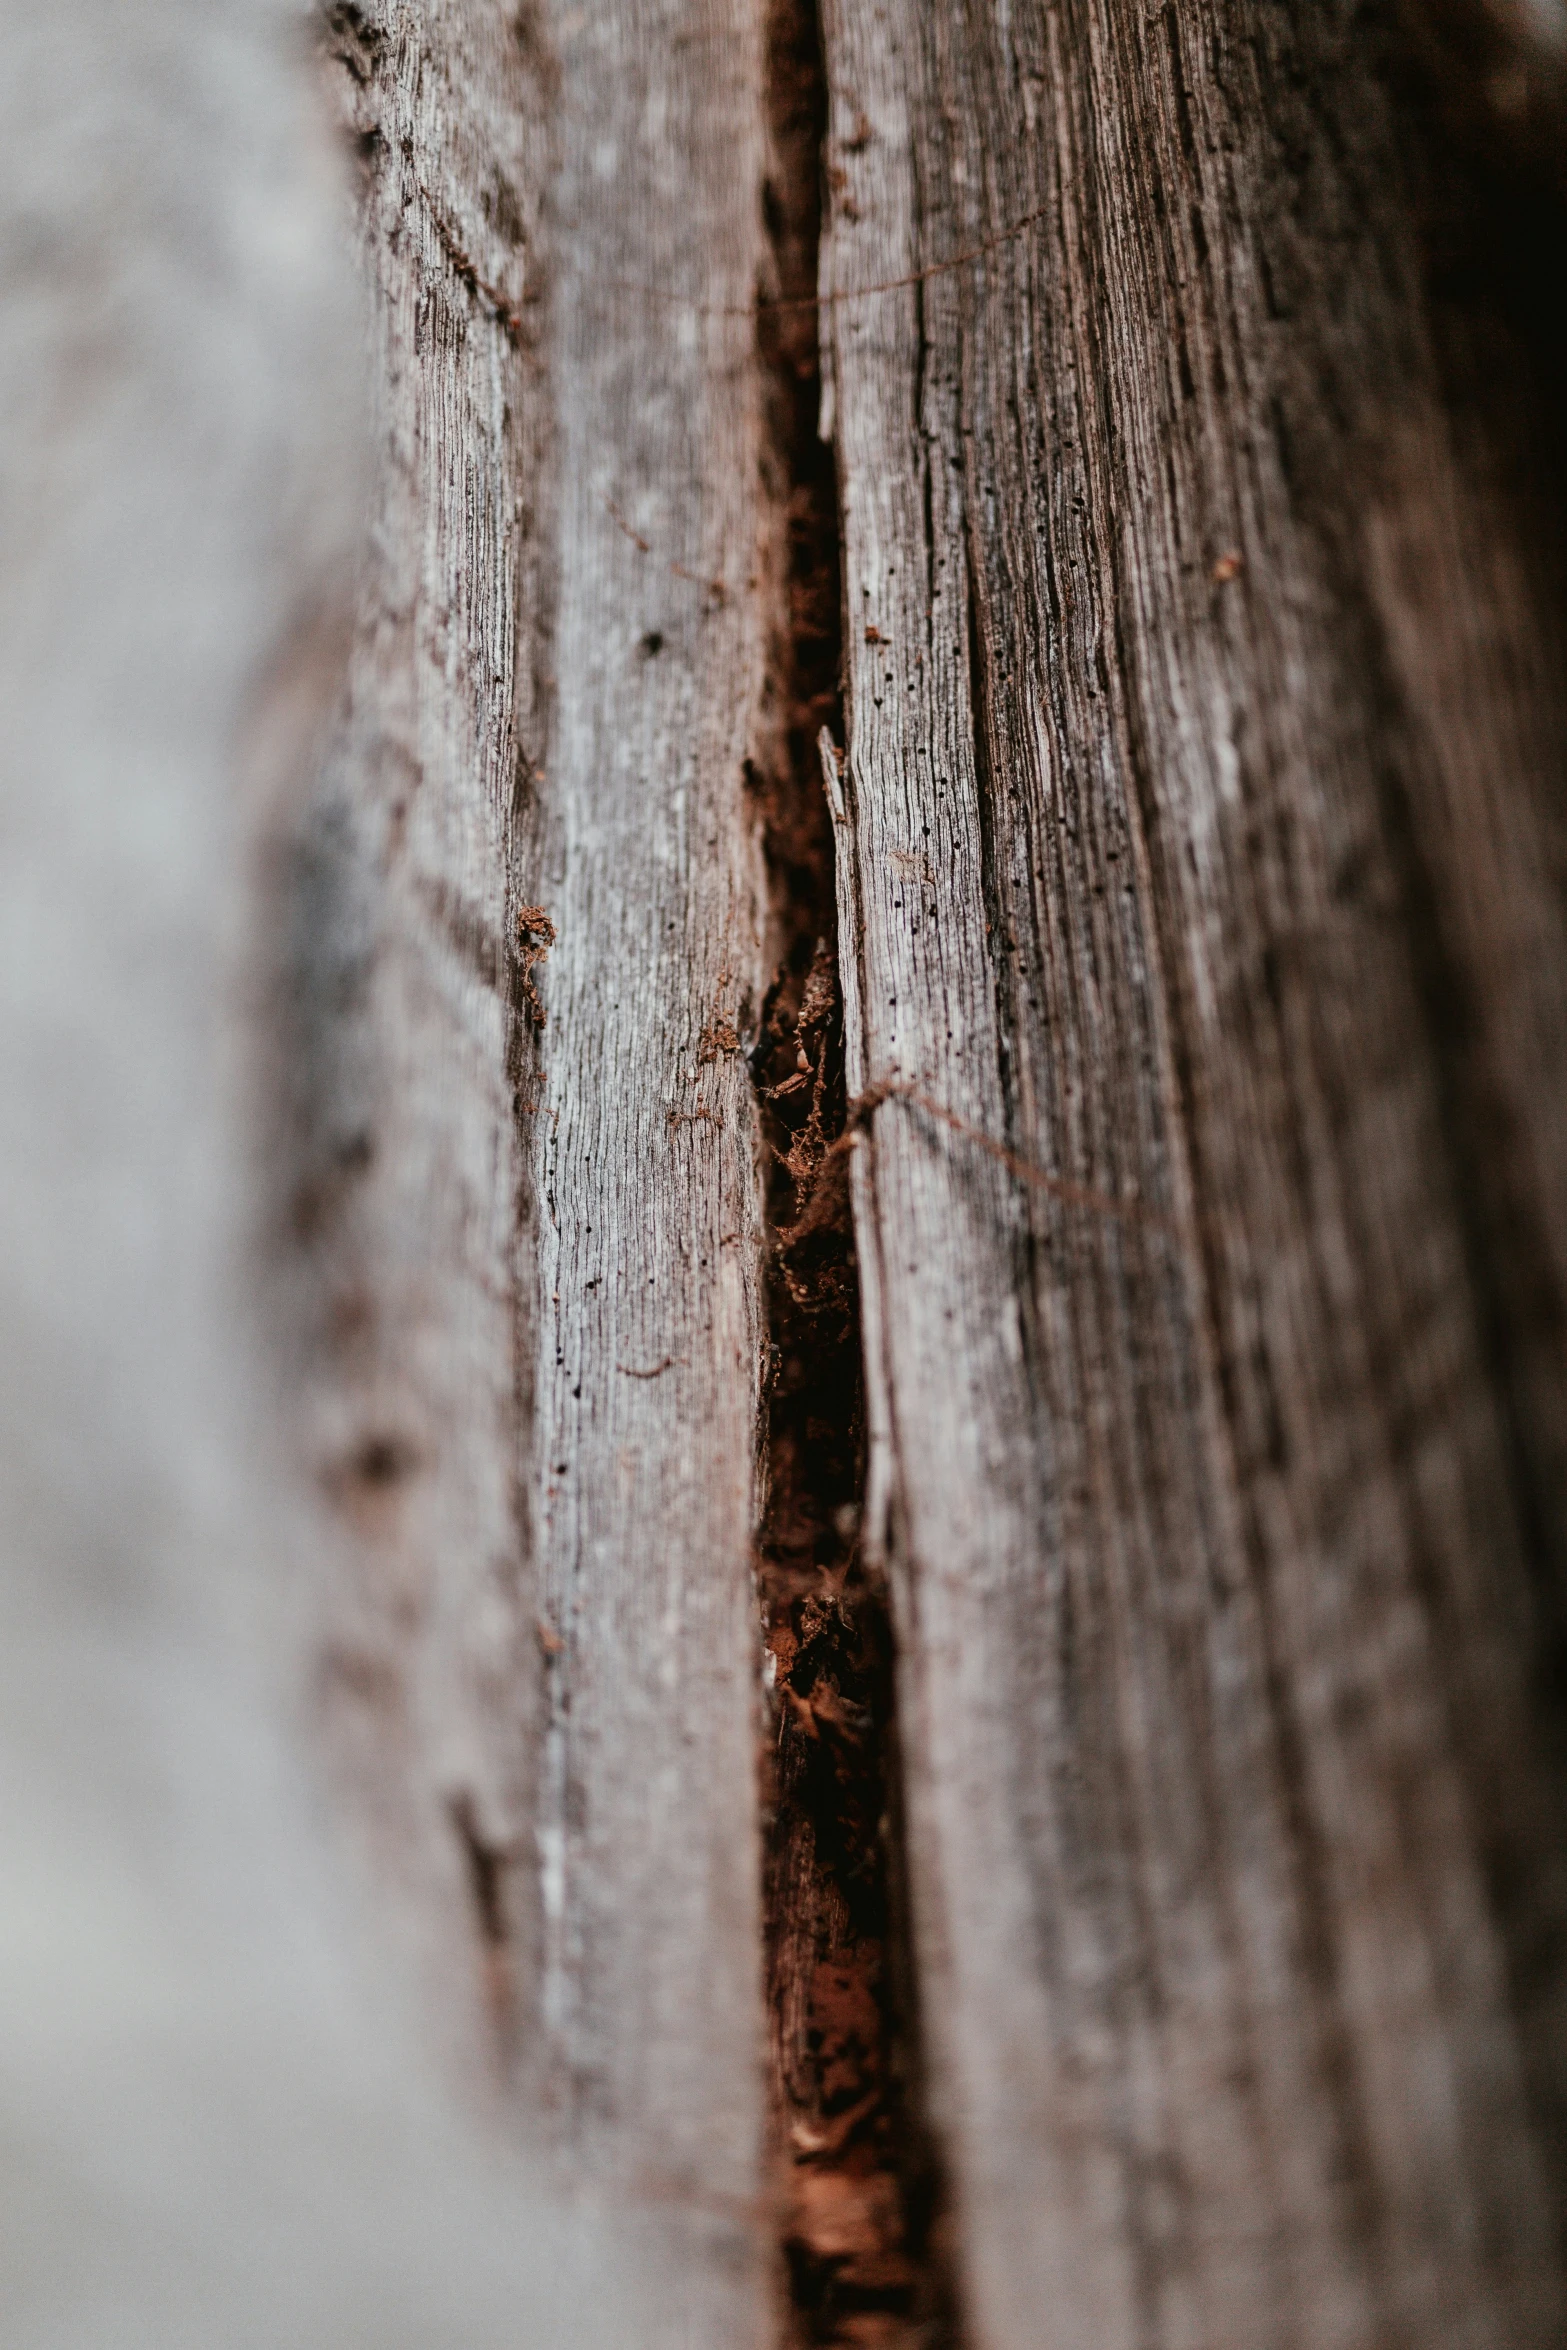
(351, 37)
(858, 2202)
(488, 1865)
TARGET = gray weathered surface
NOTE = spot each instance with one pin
(531, 1251)
(218, 2122)
(1204, 830)
(405, 1205)
(648, 1307)
(1201, 850)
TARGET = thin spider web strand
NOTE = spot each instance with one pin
(775, 305)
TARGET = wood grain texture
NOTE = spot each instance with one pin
(1202, 849)
(644, 1160)
(407, 1211)
(1203, 969)
(531, 915)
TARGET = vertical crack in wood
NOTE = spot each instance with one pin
(860, 2207)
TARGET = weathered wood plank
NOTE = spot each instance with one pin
(1181, 809)
(532, 952)
(407, 1209)
(648, 1304)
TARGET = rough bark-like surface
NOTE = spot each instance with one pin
(1204, 851)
